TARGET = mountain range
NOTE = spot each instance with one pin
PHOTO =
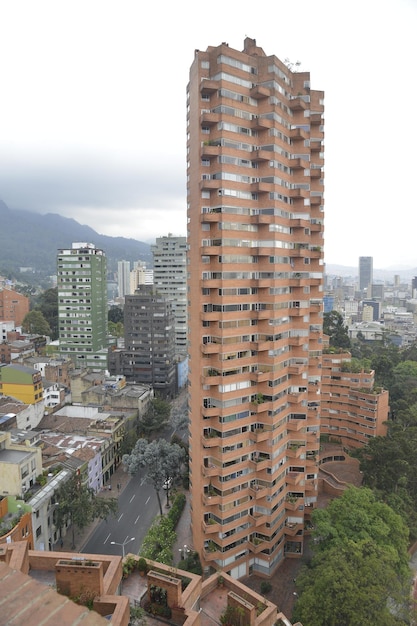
(31, 240)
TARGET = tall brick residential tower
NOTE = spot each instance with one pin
(255, 274)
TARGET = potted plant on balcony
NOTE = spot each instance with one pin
(142, 566)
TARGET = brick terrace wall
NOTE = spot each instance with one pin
(4, 507)
(75, 578)
(268, 616)
(191, 594)
(171, 584)
(249, 610)
(19, 556)
(116, 606)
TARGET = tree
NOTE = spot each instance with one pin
(348, 585)
(359, 570)
(191, 563)
(115, 314)
(161, 461)
(128, 442)
(155, 418)
(158, 542)
(116, 329)
(48, 305)
(79, 506)
(358, 515)
(35, 324)
(403, 385)
(389, 465)
(334, 327)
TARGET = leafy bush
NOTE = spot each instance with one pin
(176, 509)
(265, 587)
(142, 565)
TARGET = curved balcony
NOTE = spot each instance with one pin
(258, 92)
(208, 86)
(211, 528)
(293, 529)
(298, 104)
(208, 118)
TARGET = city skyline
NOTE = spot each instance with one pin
(87, 131)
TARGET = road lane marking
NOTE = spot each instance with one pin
(132, 498)
(146, 501)
(107, 538)
(120, 517)
(136, 520)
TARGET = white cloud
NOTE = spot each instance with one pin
(93, 109)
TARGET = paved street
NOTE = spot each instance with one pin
(138, 507)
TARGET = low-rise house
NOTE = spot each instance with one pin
(43, 505)
(21, 349)
(27, 416)
(5, 352)
(20, 464)
(131, 396)
(91, 420)
(23, 383)
(95, 452)
(82, 379)
(53, 394)
(53, 369)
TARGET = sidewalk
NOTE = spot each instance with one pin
(120, 477)
(184, 539)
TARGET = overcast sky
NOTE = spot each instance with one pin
(92, 110)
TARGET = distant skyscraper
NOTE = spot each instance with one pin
(170, 280)
(255, 262)
(82, 305)
(414, 287)
(123, 278)
(365, 272)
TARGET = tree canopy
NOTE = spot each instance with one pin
(155, 418)
(160, 460)
(79, 505)
(334, 327)
(359, 573)
(47, 304)
(35, 324)
(115, 314)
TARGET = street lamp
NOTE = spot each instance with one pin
(114, 543)
(184, 551)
